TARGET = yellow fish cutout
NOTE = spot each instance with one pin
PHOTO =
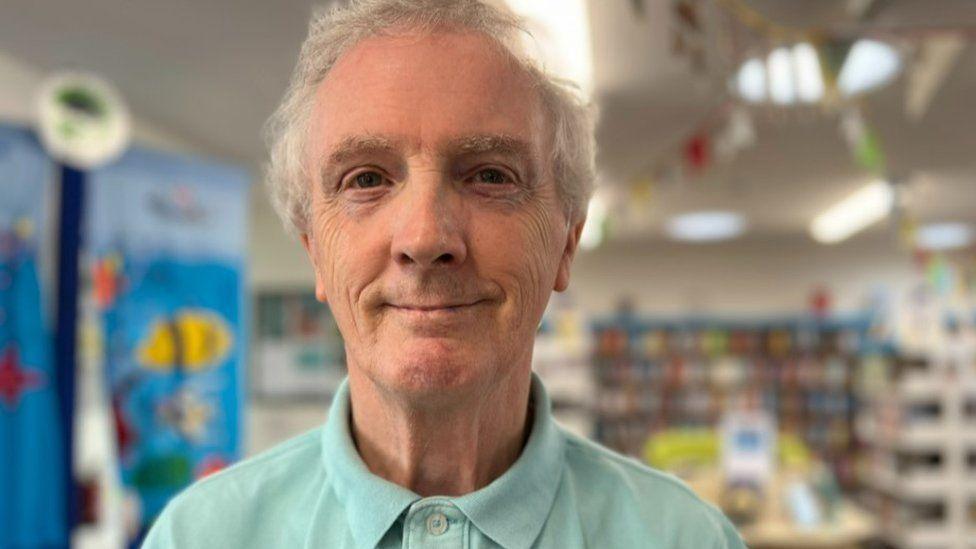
(195, 339)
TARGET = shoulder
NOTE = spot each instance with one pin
(591, 460)
(624, 487)
(274, 468)
(228, 502)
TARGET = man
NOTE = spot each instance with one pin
(438, 181)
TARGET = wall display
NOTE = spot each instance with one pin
(166, 269)
(299, 351)
(32, 484)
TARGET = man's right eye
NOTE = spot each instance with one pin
(366, 180)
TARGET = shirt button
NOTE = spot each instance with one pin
(436, 524)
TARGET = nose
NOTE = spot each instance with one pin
(429, 230)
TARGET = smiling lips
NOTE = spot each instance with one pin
(434, 312)
(434, 307)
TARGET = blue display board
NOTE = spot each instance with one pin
(32, 468)
(167, 256)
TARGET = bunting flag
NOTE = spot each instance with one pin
(32, 483)
(697, 152)
(167, 251)
(863, 142)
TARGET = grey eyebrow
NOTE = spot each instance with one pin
(356, 145)
(480, 144)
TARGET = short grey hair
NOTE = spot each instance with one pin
(331, 33)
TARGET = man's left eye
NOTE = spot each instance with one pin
(367, 180)
(491, 175)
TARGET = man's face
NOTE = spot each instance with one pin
(436, 231)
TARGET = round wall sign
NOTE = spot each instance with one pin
(82, 120)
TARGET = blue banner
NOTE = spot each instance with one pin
(32, 483)
(167, 241)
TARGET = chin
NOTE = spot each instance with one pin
(434, 370)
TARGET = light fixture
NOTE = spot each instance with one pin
(705, 226)
(869, 65)
(782, 85)
(788, 75)
(809, 78)
(861, 209)
(792, 74)
(750, 83)
(944, 236)
(560, 32)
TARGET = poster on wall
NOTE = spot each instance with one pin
(32, 484)
(299, 353)
(166, 267)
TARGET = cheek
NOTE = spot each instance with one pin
(521, 251)
(345, 260)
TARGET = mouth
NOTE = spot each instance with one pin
(435, 314)
(424, 308)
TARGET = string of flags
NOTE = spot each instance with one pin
(722, 134)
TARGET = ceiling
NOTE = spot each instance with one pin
(651, 101)
(212, 71)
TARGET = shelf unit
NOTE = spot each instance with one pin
(918, 465)
(654, 374)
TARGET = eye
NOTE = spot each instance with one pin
(366, 180)
(491, 175)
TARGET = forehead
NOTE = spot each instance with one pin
(426, 89)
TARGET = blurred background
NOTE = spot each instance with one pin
(776, 297)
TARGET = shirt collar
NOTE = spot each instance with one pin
(514, 507)
(372, 503)
(511, 510)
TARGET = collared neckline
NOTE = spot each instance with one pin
(514, 507)
(372, 503)
(511, 510)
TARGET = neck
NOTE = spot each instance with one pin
(450, 449)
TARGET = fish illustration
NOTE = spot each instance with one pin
(191, 340)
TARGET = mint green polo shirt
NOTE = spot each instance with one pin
(562, 492)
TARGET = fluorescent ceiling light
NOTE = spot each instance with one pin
(596, 215)
(944, 236)
(706, 226)
(750, 83)
(865, 207)
(561, 33)
(809, 78)
(792, 74)
(868, 65)
(782, 88)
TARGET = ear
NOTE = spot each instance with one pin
(309, 243)
(569, 252)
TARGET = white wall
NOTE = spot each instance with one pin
(751, 277)
(277, 261)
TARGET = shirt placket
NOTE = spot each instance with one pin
(436, 524)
